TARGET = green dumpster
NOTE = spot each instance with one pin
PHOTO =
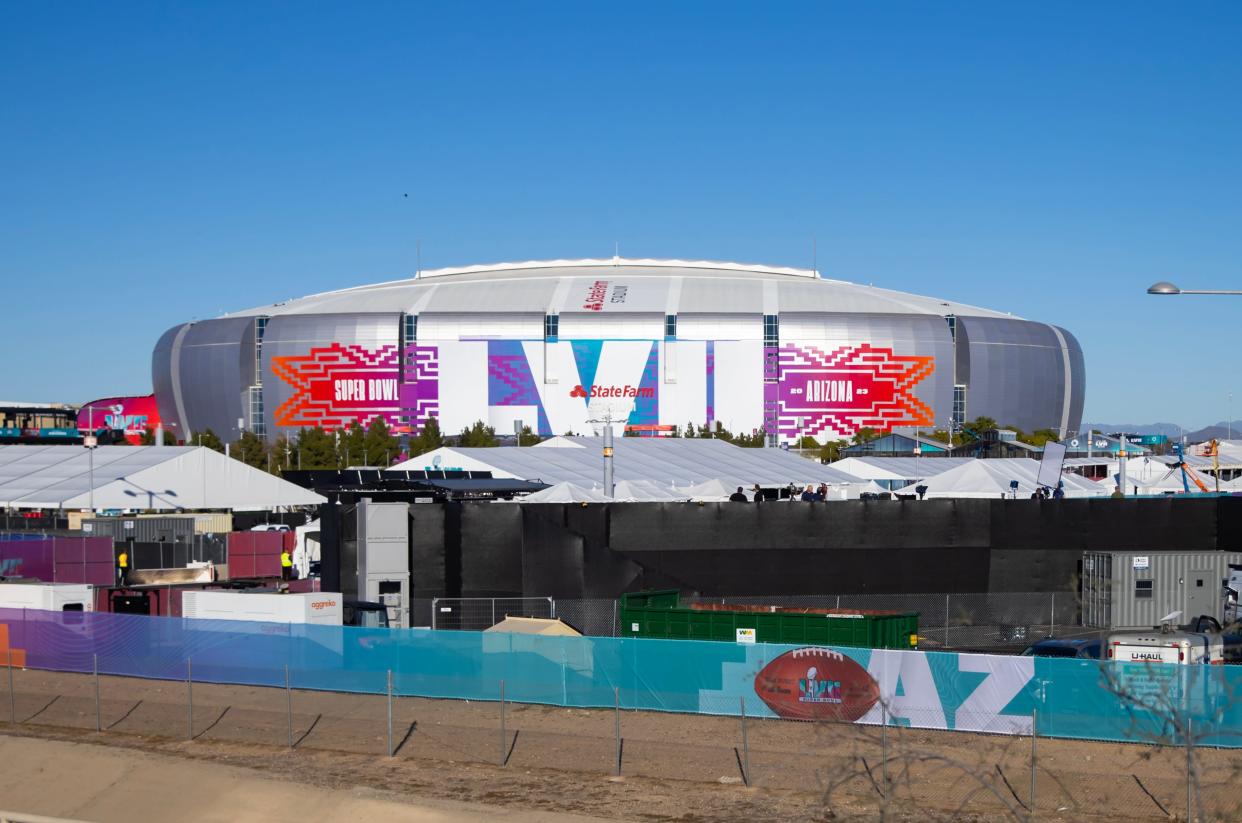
(660, 613)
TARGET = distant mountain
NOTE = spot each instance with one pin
(1218, 431)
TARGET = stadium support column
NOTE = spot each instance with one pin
(608, 488)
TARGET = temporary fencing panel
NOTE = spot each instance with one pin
(936, 690)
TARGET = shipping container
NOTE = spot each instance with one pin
(162, 529)
(661, 614)
(1121, 589)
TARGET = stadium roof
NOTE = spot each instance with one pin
(680, 462)
(139, 477)
(652, 286)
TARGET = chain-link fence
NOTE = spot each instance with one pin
(991, 621)
(810, 770)
(478, 613)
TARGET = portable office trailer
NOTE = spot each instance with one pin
(1135, 589)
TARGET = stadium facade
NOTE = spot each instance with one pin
(563, 345)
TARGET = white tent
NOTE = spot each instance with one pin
(565, 493)
(896, 472)
(1155, 476)
(644, 491)
(991, 478)
(164, 478)
(664, 461)
(713, 489)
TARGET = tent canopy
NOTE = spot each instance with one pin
(991, 478)
(664, 461)
(898, 468)
(164, 478)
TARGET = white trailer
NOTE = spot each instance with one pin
(318, 608)
(56, 597)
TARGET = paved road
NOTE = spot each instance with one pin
(82, 781)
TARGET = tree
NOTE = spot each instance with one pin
(351, 449)
(147, 438)
(480, 435)
(864, 435)
(208, 440)
(379, 443)
(427, 439)
(830, 452)
(528, 438)
(757, 439)
(317, 449)
(251, 450)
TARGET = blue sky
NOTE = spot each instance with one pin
(165, 161)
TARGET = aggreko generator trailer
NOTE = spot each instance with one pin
(320, 608)
(661, 614)
(56, 597)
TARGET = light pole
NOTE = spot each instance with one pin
(90, 443)
(1165, 287)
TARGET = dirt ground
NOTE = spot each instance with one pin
(673, 767)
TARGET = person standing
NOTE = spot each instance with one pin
(286, 565)
(738, 496)
(122, 567)
(757, 493)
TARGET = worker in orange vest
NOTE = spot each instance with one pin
(122, 567)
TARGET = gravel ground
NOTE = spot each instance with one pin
(673, 767)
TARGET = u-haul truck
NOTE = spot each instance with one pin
(318, 608)
(1159, 647)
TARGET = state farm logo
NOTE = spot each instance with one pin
(597, 295)
(612, 391)
(595, 299)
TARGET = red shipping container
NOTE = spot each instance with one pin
(97, 574)
(241, 565)
(267, 565)
(268, 543)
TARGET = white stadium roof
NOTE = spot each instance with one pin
(680, 462)
(139, 477)
(652, 286)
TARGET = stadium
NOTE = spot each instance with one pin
(565, 345)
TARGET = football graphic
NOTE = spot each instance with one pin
(816, 684)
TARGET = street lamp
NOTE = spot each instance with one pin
(1165, 287)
